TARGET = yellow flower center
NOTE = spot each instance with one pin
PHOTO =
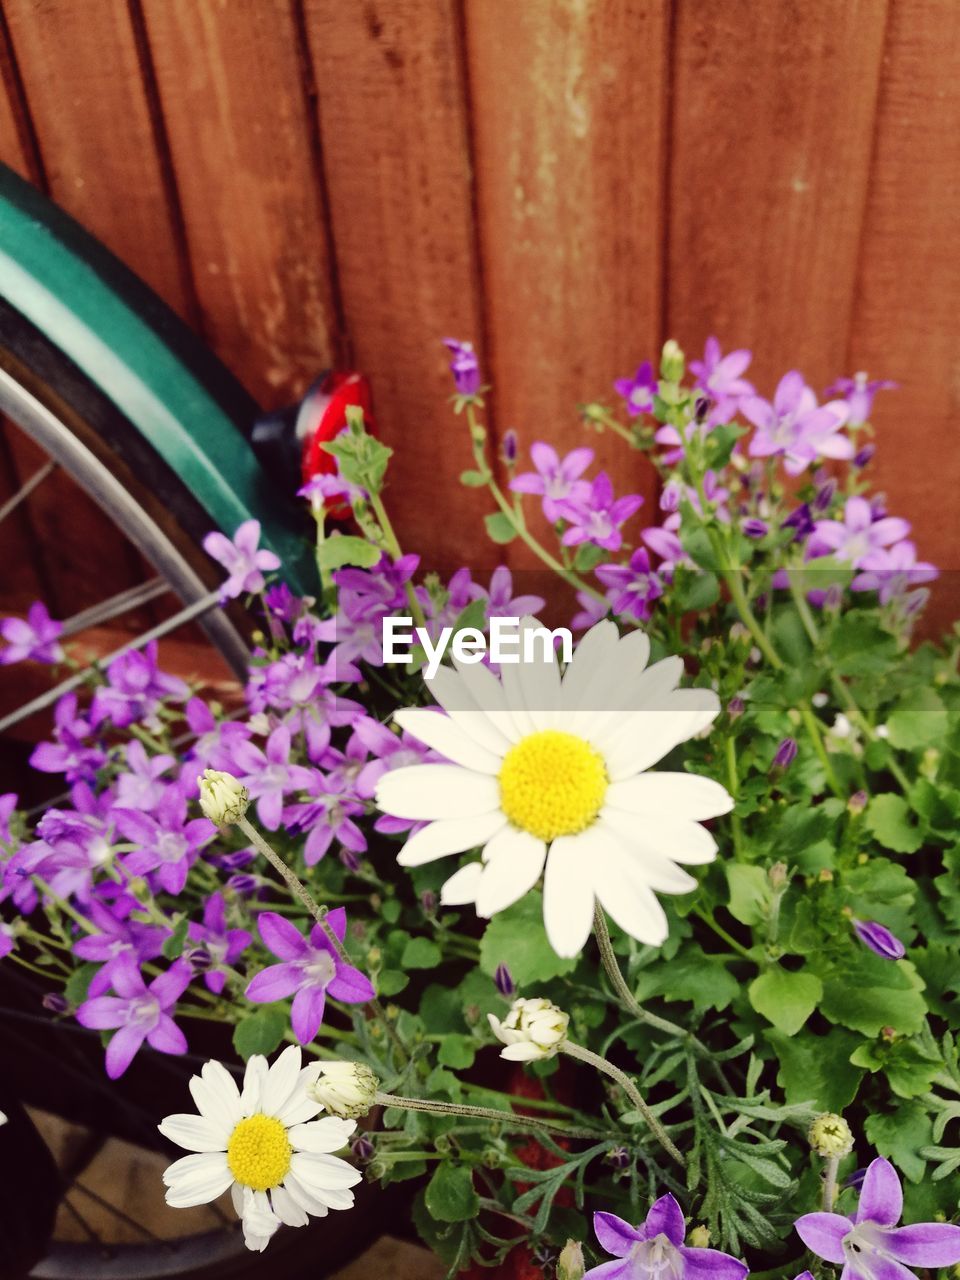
(259, 1152)
(552, 784)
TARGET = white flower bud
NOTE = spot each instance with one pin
(345, 1089)
(532, 1029)
(570, 1264)
(223, 798)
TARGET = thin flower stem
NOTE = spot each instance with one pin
(483, 1113)
(619, 982)
(830, 1183)
(319, 914)
(630, 1089)
(721, 933)
(392, 544)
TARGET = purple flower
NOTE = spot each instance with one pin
(135, 689)
(597, 518)
(879, 940)
(326, 490)
(719, 376)
(33, 638)
(785, 754)
(464, 366)
(310, 969)
(269, 775)
(365, 597)
(655, 1249)
(140, 787)
(119, 937)
(554, 480)
(327, 817)
(138, 1012)
(509, 447)
(891, 572)
(801, 522)
(635, 585)
(502, 603)
(68, 755)
(592, 609)
(241, 558)
(7, 939)
(222, 945)
(858, 535)
(215, 741)
(666, 544)
(795, 427)
(503, 981)
(8, 806)
(859, 392)
(167, 843)
(639, 390)
(870, 1246)
(755, 528)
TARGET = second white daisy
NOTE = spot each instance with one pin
(263, 1144)
(548, 775)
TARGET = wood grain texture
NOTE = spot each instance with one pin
(87, 97)
(237, 116)
(773, 117)
(15, 141)
(906, 324)
(394, 131)
(568, 114)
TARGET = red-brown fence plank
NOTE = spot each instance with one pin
(239, 126)
(773, 116)
(905, 323)
(568, 116)
(393, 123)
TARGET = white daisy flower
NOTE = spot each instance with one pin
(263, 1144)
(548, 774)
(532, 1029)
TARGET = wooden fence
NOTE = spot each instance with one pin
(566, 182)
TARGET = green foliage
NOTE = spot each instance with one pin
(516, 937)
(261, 1032)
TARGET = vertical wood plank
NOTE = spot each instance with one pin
(83, 83)
(14, 127)
(569, 121)
(239, 126)
(773, 114)
(394, 133)
(905, 323)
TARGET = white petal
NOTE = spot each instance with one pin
(644, 737)
(462, 886)
(670, 795)
(568, 894)
(523, 1051)
(320, 1173)
(254, 1082)
(336, 1198)
(193, 1133)
(448, 738)
(259, 1221)
(304, 1198)
(217, 1097)
(629, 902)
(436, 791)
(286, 1208)
(680, 841)
(474, 699)
(514, 863)
(197, 1179)
(634, 648)
(594, 653)
(450, 835)
(321, 1136)
(281, 1081)
(660, 873)
(539, 679)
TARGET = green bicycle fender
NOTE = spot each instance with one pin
(138, 354)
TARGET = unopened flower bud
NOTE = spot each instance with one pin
(778, 877)
(618, 1157)
(699, 1237)
(223, 798)
(672, 361)
(825, 876)
(200, 959)
(735, 707)
(349, 859)
(864, 455)
(503, 981)
(570, 1264)
(879, 939)
(428, 902)
(755, 528)
(889, 1034)
(532, 1029)
(243, 885)
(857, 803)
(363, 1149)
(54, 1002)
(345, 1089)
(508, 447)
(786, 753)
(830, 1136)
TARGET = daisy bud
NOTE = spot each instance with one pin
(830, 1136)
(672, 361)
(699, 1237)
(503, 981)
(570, 1264)
(345, 1089)
(223, 798)
(532, 1029)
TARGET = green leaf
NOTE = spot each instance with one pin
(173, 946)
(817, 1069)
(697, 591)
(78, 984)
(859, 646)
(588, 556)
(500, 528)
(909, 1068)
(457, 1052)
(873, 993)
(342, 549)
(696, 977)
(516, 937)
(450, 1195)
(361, 458)
(391, 982)
(421, 953)
(785, 998)
(901, 1135)
(920, 721)
(261, 1032)
(474, 479)
(749, 893)
(888, 818)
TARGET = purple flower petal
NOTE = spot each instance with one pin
(307, 1013)
(123, 1047)
(618, 1269)
(102, 1014)
(711, 1264)
(274, 983)
(614, 1234)
(281, 936)
(166, 1037)
(824, 1233)
(665, 1218)
(350, 985)
(881, 1196)
(927, 1244)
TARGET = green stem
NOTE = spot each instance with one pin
(619, 982)
(630, 1089)
(733, 783)
(483, 1113)
(830, 1183)
(721, 933)
(392, 546)
(319, 914)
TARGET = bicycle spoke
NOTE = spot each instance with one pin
(117, 605)
(145, 1232)
(84, 1224)
(26, 489)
